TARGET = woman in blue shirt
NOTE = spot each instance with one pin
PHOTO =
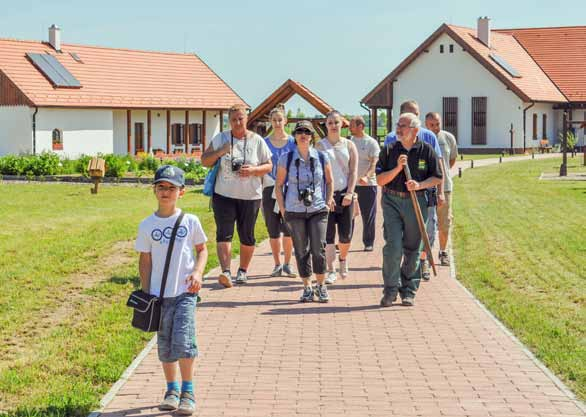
(279, 143)
(305, 196)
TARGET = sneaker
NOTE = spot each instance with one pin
(170, 402)
(344, 269)
(331, 277)
(388, 300)
(225, 279)
(425, 274)
(322, 294)
(444, 258)
(408, 302)
(368, 248)
(186, 404)
(307, 295)
(288, 272)
(241, 277)
(277, 271)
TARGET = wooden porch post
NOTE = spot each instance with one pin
(203, 130)
(168, 132)
(186, 131)
(149, 132)
(389, 120)
(222, 120)
(374, 123)
(128, 132)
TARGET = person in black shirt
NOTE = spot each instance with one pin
(401, 231)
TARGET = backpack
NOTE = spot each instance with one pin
(322, 162)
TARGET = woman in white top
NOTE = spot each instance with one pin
(344, 160)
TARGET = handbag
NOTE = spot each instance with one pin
(209, 183)
(147, 307)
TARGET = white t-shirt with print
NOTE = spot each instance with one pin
(229, 183)
(368, 149)
(153, 237)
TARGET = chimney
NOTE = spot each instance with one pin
(55, 37)
(483, 30)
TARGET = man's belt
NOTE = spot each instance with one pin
(401, 193)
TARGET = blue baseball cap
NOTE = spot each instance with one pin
(170, 174)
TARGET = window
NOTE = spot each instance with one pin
(544, 126)
(478, 121)
(452, 48)
(138, 137)
(450, 115)
(441, 49)
(57, 140)
(195, 134)
(534, 126)
(177, 134)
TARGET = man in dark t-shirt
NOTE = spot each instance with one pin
(401, 231)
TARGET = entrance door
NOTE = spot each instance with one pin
(138, 137)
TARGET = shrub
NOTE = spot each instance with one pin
(149, 163)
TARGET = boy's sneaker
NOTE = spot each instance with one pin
(388, 300)
(288, 272)
(331, 277)
(322, 294)
(444, 258)
(307, 295)
(425, 274)
(368, 248)
(170, 402)
(186, 404)
(408, 302)
(344, 269)
(225, 279)
(241, 277)
(277, 271)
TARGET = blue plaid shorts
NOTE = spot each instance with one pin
(176, 337)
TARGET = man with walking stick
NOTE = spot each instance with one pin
(403, 231)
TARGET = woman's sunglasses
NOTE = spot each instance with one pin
(303, 131)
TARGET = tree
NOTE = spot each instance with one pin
(300, 114)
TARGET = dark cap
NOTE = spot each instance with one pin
(170, 174)
(304, 124)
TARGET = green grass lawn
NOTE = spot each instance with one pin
(67, 268)
(520, 248)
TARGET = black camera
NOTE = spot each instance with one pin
(237, 164)
(306, 196)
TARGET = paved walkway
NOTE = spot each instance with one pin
(265, 354)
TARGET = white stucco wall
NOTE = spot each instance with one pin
(15, 130)
(434, 75)
(551, 134)
(85, 131)
(158, 126)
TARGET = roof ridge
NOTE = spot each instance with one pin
(150, 51)
(542, 28)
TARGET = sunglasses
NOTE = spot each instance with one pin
(303, 132)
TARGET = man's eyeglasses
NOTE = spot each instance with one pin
(303, 132)
(402, 125)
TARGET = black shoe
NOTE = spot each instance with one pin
(425, 273)
(368, 248)
(307, 296)
(388, 300)
(444, 258)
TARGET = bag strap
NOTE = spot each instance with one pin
(169, 253)
(289, 160)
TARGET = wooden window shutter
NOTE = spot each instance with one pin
(450, 115)
(478, 121)
(534, 126)
(544, 126)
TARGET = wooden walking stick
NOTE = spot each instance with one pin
(420, 221)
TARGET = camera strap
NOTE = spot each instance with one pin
(232, 148)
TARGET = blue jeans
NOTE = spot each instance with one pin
(176, 337)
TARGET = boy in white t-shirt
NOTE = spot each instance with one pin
(176, 335)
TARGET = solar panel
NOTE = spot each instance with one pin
(54, 70)
(505, 65)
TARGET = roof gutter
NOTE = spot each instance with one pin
(35, 130)
(525, 125)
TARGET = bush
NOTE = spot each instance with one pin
(46, 163)
(115, 165)
(82, 164)
(149, 163)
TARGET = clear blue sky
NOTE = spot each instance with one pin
(339, 51)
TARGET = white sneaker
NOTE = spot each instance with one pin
(331, 277)
(277, 271)
(344, 269)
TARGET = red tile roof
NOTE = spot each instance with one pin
(551, 61)
(560, 52)
(118, 78)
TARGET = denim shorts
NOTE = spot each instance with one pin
(176, 337)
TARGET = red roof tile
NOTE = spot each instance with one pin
(561, 53)
(118, 78)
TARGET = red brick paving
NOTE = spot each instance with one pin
(264, 354)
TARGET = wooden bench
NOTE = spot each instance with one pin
(544, 146)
